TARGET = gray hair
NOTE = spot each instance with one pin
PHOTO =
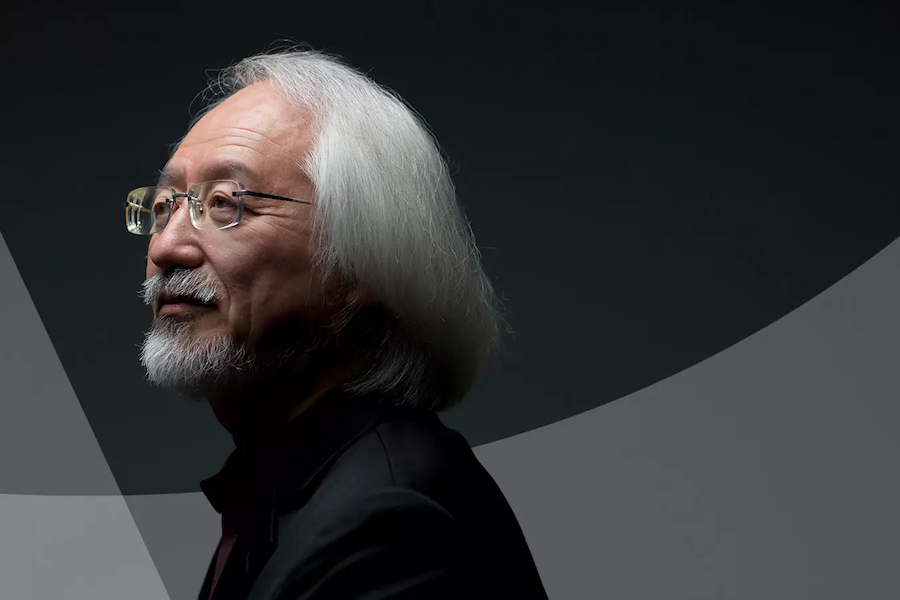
(387, 218)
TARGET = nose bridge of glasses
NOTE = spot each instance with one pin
(175, 200)
(192, 197)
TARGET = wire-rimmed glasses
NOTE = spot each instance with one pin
(217, 204)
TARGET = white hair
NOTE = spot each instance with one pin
(386, 217)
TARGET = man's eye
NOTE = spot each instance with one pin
(222, 209)
(222, 202)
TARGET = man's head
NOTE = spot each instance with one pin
(380, 263)
(252, 281)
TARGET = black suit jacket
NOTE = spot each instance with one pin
(357, 500)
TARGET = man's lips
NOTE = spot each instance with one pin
(169, 304)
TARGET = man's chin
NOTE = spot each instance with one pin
(192, 356)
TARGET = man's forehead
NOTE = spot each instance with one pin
(240, 139)
(173, 173)
(257, 110)
(259, 100)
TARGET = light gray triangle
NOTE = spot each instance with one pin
(766, 471)
(181, 532)
(73, 548)
(65, 532)
(46, 443)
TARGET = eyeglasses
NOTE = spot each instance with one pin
(215, 204)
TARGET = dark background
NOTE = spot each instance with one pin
(648, 187)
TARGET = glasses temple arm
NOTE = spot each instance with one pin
(270, 196)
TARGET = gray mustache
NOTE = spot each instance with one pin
(183, 282)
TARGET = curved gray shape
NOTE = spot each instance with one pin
(766, 471)
(47, 445)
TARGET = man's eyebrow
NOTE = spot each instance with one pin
(229, 169)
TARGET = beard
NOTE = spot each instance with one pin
(178, 357)
(196, 367)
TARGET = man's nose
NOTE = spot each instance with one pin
(178, 243)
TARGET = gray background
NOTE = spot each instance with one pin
(669, 203)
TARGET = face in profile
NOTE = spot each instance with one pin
(229, 305)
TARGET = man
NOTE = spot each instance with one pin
(312, 277)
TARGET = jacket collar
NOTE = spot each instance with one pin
(272, 475)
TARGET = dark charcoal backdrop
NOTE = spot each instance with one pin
(648, 187)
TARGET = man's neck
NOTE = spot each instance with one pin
(260, 409)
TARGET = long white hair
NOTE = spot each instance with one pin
(386, 217)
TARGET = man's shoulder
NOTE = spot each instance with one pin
(409, 490)
(408, 451)
(398, 480)
(411, 455)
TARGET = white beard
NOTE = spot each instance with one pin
(206, 366)
(198, 368)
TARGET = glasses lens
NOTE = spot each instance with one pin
(147, 210)
(217, 206)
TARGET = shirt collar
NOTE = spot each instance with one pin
(272, 474)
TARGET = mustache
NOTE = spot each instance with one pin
(189, 283)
